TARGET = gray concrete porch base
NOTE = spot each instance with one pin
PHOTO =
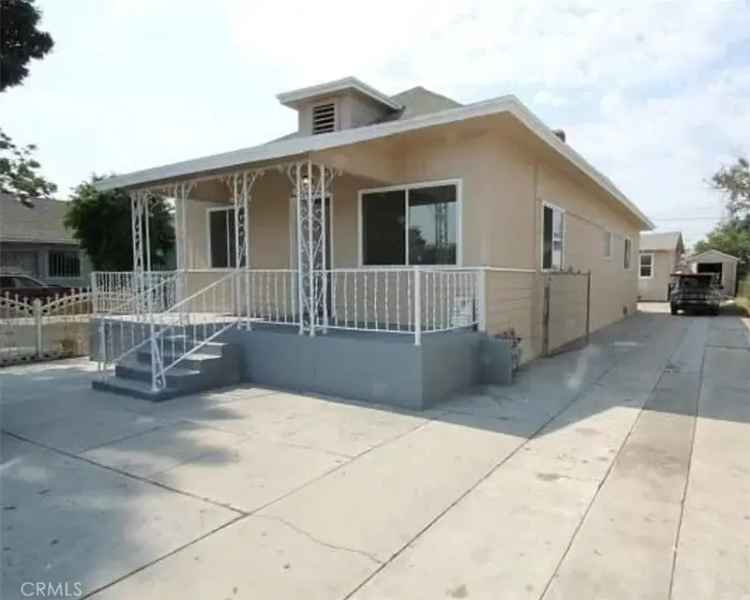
(384, 368)
(372, 367)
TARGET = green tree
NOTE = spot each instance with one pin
(20, 40)
(19, 172)
(101, 223)
(734, 182)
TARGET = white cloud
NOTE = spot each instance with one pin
(446, 44)
(655, 94)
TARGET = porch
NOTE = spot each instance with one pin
(335, 265)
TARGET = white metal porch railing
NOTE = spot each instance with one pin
(174, 322)
(123, 303)
(403, 300)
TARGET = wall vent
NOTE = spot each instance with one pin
(324, 118)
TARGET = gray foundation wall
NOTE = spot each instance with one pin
(382, 368)
(388, 369)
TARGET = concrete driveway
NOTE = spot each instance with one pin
(617, 471)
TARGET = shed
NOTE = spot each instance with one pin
(716, 261)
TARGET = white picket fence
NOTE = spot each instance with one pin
(44, 328)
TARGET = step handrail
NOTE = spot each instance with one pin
(158, 369)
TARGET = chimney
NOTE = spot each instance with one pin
(559, 133)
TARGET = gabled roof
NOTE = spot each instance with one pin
(713, 252)
(42, 223)
(293, 97)
(291, 146)
(655, 241)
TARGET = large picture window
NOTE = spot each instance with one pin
(553, 237)
(221, 238)
(413, 225)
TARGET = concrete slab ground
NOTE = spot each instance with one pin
(616, 471)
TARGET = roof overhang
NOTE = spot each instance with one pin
(295, 97)
(286, 148)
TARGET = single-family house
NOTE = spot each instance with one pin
(373, 253)
(34, 241)
(661, 254)
(723, 265)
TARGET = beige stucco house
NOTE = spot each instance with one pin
(722, 264)
(661, 254)
(405, 217)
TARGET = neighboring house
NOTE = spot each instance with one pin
(381, 215)
(715, 261)
(34, 240)
(661, 254)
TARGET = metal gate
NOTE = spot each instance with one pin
(43, 329)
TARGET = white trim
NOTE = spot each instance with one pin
(564, 235)
(640, 266)
(293, 97)
(300, 145)
(457, 182)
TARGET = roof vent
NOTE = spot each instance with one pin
(560, 133)
(323, 118)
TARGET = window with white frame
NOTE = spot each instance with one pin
(647, 266)
(553, 237)
(410, 225)
(607, 244)
(627, 253)
(221, 238)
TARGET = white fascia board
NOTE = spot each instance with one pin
(294, 96)
(313, 143)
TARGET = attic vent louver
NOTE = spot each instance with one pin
(324, 118)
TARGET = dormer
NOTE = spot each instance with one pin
(338, 105)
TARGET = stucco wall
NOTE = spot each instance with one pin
(505, 180)
(656, 287)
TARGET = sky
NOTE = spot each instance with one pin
(654, 94)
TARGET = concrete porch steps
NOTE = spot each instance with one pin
(216, 364)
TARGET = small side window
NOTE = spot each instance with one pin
(627, 255)
(553, 237)
(607, 244)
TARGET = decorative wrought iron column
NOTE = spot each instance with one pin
(311, 184)
(241, 185)
(139, 202)
(180, 192)
(141, 253)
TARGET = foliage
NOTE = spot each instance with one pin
(101, 223)
(20, 40)
(732, 235)
(734, 182)
(19, 174)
